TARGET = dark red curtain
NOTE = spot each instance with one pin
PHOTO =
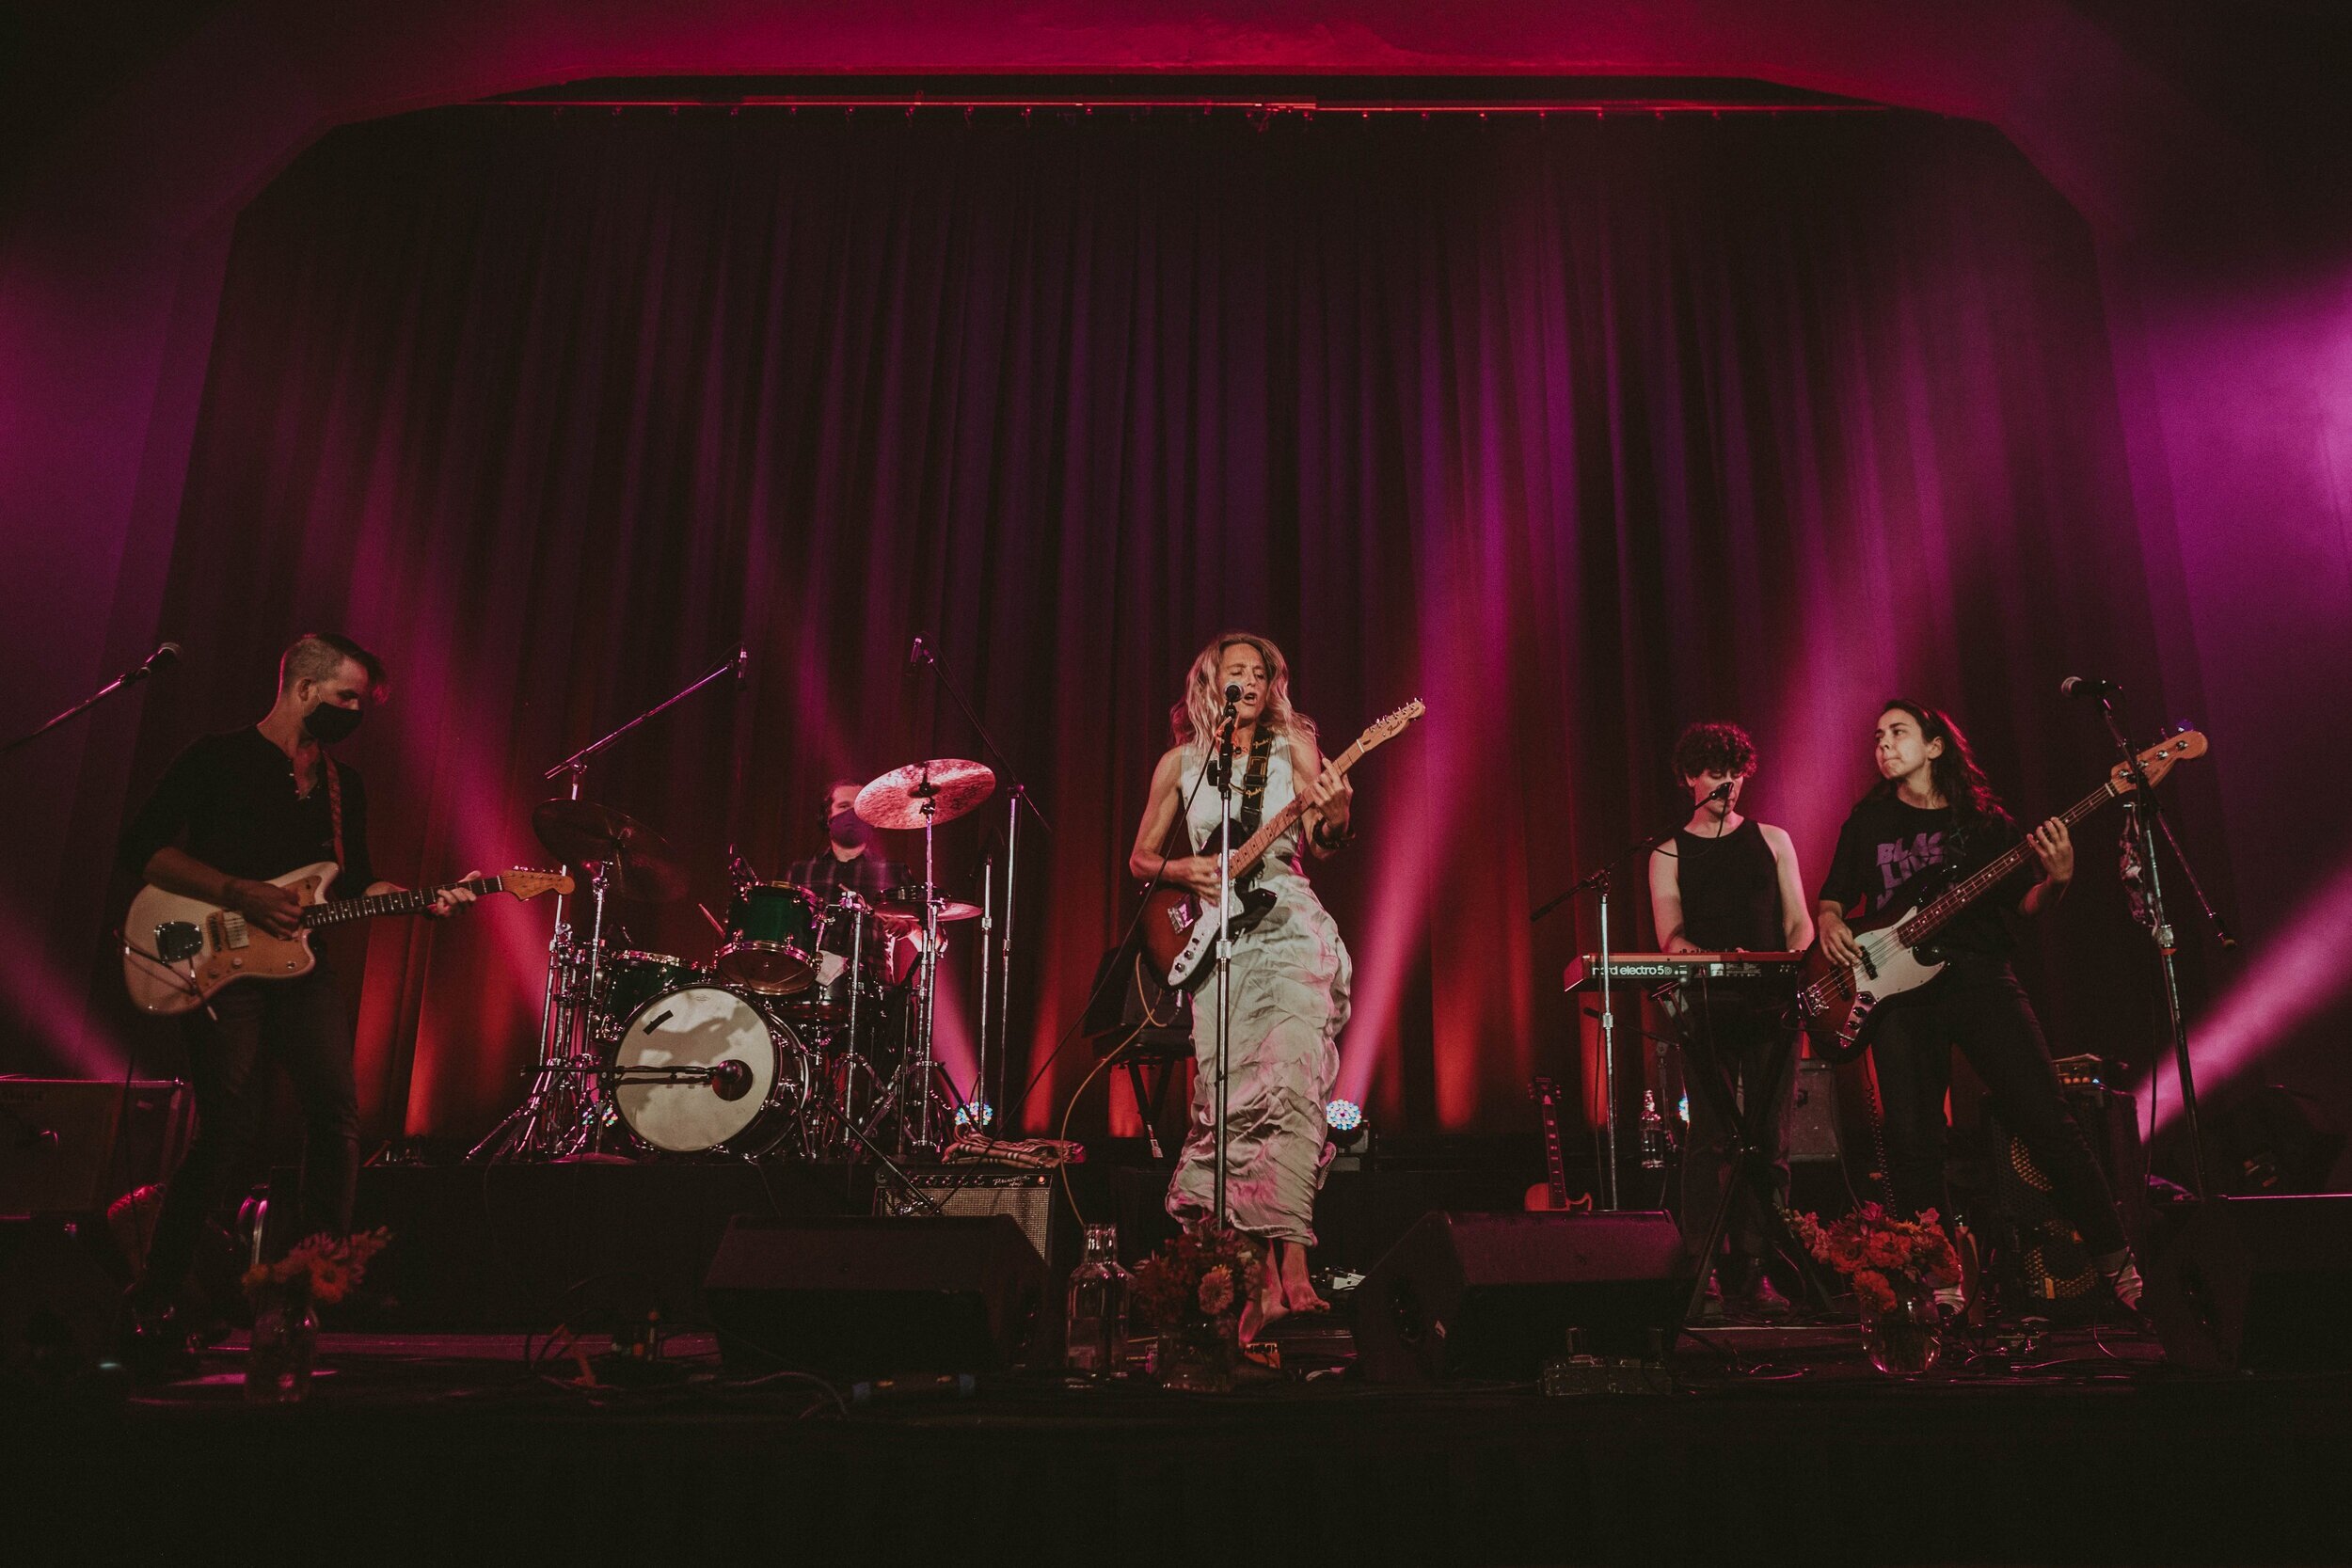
(1577, 428)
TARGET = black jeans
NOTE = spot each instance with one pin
(1735, 1045)
(1978, 1005)
(300, 1025)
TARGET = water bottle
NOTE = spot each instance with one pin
(1095, 1338)
(1653, 1133)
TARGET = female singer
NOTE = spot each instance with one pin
(1291, 974)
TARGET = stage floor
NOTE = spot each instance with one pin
(1755, 1444)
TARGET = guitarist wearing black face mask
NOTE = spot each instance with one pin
(232, 812)
(850, 858)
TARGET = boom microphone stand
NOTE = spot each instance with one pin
(547, 1125)
(165, 654)
(2143, 817)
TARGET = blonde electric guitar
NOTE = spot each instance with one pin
(178, 952)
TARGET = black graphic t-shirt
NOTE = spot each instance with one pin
(1891, 857)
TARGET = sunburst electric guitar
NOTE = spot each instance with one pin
(1839, 999)
(178, 952)
(1176, 932)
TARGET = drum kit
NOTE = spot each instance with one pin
(808, 1033)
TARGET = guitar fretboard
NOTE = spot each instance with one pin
(411, 901)
(1250, 854)
(1935, 915)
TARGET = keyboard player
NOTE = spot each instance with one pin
(1726, 882)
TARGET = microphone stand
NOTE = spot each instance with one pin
(1601, 878)
(564, 1011)
(2143, 817)
(129, 677)
(1017, 796)
(1224, 940)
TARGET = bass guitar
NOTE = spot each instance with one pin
(178, 952)
(1838, 1001)
(1179, 936)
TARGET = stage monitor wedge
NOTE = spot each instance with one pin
(2257, 1285)
(857, 1297)
(1493, 1296)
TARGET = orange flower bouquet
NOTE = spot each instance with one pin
(323, 1268)
(1191, 1292)
(1886, 1260)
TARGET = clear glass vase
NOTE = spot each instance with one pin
(1192, 1368)
(284, 1347)
(1094, 1339)
(1904, 1339)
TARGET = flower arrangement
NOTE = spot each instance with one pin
(1884, 1258)
(1193, 1290)
(323, 1268)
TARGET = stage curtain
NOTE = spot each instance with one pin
(1577, 428)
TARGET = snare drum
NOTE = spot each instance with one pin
(633, 978)
(772, 939)
(703, 1068)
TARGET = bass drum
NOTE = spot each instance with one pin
(702, 1069)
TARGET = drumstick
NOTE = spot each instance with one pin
(715, 923)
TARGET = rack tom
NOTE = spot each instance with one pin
(770, 944)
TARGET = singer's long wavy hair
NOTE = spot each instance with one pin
(1955, 774)
(1193, 721)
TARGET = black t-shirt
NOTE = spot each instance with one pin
(229, 799)
(1892, 856)
(1730, 888)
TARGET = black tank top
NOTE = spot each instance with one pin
(1730, 889)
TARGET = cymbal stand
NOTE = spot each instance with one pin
(916, 1129)
(560, 1115)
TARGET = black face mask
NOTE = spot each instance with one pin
(327, 724)
(849, 829)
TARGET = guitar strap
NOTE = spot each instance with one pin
(334, 801)
(1253, 796)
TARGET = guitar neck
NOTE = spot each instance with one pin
(1247, 857)
(1935, 916)
(415, 900)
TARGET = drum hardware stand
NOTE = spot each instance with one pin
(1018, 796)
(2143, 819)
(1600, 879)
(556, 1117)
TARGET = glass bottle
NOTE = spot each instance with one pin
(1653, 1133)
(1095, 1331)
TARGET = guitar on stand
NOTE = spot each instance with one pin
(1551, 1194)
(178, 952)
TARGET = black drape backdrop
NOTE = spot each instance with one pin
(1579, 429)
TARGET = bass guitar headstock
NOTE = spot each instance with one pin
(2157, 760)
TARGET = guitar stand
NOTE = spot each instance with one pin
(1748, 1163)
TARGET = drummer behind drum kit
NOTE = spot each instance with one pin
(809, 1033)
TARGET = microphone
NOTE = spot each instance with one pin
(918, 653)
(1233, 693)
(1721, 792)
(2090, 686)
(165, 655)
(742, 662)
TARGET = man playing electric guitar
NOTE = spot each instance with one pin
(233, 810)
(1935, 819)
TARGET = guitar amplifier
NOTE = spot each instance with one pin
(1026, 1196)
(2047, 1259)
(73, 1146)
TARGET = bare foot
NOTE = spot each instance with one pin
(1269, 1306)
(1298, 1287)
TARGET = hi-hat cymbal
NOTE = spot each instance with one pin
(581, 832)
(906, 903)
(949, 786)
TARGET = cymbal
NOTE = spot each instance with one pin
(951, 785)
(906, 903)
(581, 832)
